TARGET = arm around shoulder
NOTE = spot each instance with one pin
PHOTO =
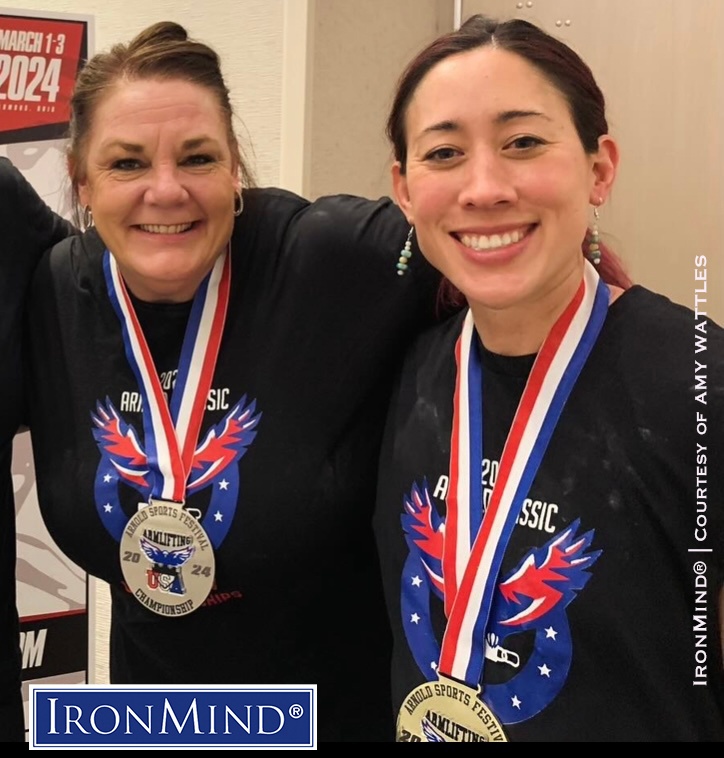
(31, 225)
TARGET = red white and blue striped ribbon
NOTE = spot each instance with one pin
(476, 538)
(171, 430)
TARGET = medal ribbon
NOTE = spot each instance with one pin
(476, 538)
(172, 429)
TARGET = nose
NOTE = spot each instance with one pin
(165, 187)
(487, 181)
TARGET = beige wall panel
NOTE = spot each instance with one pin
(660, 64)
(358, 51)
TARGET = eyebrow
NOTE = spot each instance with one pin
(502, 118)
(192, 144)
(506, 116)
(189, 144)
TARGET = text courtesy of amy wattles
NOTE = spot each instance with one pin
(704, 595)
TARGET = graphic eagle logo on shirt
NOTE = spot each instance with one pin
(532, 597)
(124, 461)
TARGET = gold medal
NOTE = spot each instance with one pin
(446, 711)
(167, 559)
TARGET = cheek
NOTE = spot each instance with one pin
(218, 207)
(431, 198)
(563, 184)
(434, 201)
(563, 203)
(221, 219)
(224, 228)
(217, 196)
(433, 242)
(545, 189)
(114, 200)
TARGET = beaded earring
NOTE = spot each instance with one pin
(405, 254)
(594, 249)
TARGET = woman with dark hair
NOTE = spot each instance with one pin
(543, 484)
(29, 228)
(233, 522)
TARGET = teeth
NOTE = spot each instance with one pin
(492, 242)
(161, 229)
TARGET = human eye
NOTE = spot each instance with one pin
(525, 143)
(198, 159)
(126, 164)
(442, 155)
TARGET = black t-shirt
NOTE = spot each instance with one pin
(603, 625)
(317, 318)
(28, 228)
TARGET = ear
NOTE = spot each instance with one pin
(84, 193)
(235, 171)
(400, 191)
(605, 166)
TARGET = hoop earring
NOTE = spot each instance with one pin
(594, 249)
(87, 219)
(405, 254)
(238, 203)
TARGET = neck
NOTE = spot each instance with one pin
(159, 298)
(521, 329)
(153, 291)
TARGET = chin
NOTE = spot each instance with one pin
(494, 292)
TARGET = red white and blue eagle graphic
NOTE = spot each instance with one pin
(124, 462)
(532, 598)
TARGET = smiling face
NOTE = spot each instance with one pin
(159, 177)
(497, 182)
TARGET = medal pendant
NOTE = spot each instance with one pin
(446, 711)
(167, 559)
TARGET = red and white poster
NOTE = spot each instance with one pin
(40, 54)
(39, 58)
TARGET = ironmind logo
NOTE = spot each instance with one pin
(183, 716)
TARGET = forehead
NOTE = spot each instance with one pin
(141, 105)
(484, 82)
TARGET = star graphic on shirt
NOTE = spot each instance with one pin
(415, 618)
(551, 633)
(107, 507)
(416, 581)
(544, 671)
(218, 516)
(107, 478)
(223, 484)
(515, 701)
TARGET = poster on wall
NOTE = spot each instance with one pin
(40, 54)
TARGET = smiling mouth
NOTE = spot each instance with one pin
(163, 229)
(480, 242)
